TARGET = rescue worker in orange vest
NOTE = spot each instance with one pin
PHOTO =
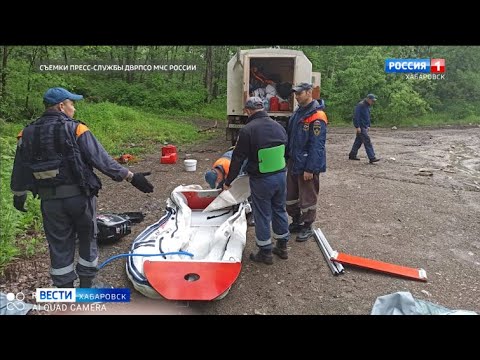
(54, 160)
(306, 158)
(215, 177)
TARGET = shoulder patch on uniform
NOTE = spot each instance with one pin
(317, 127)
(81, 128)
(306, 126)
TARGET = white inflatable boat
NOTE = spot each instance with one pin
(194, 251)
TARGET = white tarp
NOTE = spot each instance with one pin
(239, 192)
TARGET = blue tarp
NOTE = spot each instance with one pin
(403, 303)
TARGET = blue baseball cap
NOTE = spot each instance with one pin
(302, 86)
(57, 95)
(254, 103)
(372, 97)
(211, 178)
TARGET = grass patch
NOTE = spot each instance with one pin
(119, 129)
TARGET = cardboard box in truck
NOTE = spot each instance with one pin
(266, 73)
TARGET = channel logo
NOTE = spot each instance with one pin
(437, 66)
(82, 295)
(427, 66)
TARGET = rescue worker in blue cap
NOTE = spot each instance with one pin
(306, 154)
(54, 159)
(262, 142)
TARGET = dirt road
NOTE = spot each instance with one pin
(418, 207)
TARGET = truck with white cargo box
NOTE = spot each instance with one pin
(282, 68)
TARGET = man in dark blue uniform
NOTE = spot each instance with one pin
(361, 121)
(54, 160)
(262, 142)
(306, 153)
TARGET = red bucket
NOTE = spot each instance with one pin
(169, 155)
(169, 149)
(169, 159)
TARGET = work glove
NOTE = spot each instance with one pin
(19, 202)
(141, 183)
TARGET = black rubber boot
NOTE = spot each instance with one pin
(262, 256)
(305, 234)
(280, 249)
(86, 282)
(295, 226)
(250, 220)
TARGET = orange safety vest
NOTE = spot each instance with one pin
(319, 115)
(223, 164)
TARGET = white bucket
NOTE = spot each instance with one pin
(190, 164)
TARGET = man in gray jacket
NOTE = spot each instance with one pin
(54, 160)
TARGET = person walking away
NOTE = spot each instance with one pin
(361, 121)
(54, 159)
(262, 142)
(306, 154)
